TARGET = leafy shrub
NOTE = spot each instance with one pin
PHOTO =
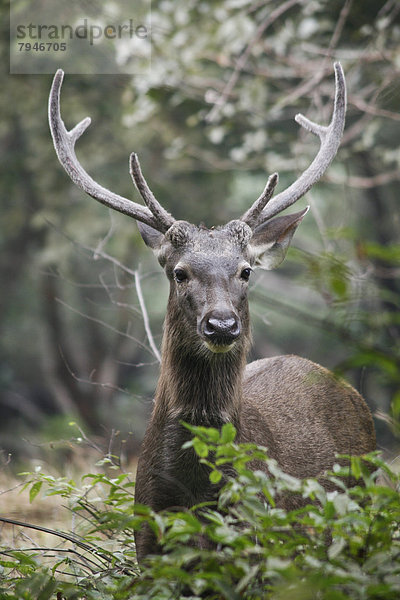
(340, 544)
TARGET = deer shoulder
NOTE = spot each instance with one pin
(310, 414)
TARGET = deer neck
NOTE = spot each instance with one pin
(195, 385)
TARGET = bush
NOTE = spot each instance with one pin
(340, 544)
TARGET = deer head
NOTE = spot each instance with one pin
(209, 270)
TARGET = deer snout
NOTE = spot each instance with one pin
(220, 329)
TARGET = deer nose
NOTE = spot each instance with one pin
(221, 329)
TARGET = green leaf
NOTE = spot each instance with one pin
(339, 286)
(389, 254)
(228, 433)
(396, 405)
(201, 448)
(35, 489)
(215, 476)
(356, 469)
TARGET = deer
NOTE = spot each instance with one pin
(301, 412)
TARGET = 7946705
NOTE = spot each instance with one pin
(42, 46)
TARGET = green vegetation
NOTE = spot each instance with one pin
(339, 544)
(210, 120)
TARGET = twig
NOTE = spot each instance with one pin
(89, 442)
(56, 274)
(244, 57)
(146, 321)
(366, 182)
(70, 538)
(85, 561)
(305, 87)
(98, 251)
(90, 381)
(15, 487)
(316, 213)
(103, 323)
(118, 286)
(373, 110)
(324, 323)
(344, 13)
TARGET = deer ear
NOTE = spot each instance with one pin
(271, 240)
(151, 237)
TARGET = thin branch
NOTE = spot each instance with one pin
(85, 561)
(57, 274)
(90, 381)
(103, 323)
(125, 305)
(244, 57)
(321, 323)
(103, 242)
(344, 13)
(366, 182)
(89, 442)
(373, 110)
(12, 489)
(141, 364)
(65, 536)
(324, 67)
(316, 213)
(146, 321)
(92, 251)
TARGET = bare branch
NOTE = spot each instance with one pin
(104, 324)
(90, 381)
(366, 183)
(244, 57)
(65, 536)
(305, 88)
(373, 110)
(146, 321)
(103, 242)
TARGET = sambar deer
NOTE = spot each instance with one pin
(297, 409)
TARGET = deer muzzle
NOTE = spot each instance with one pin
(220, 330)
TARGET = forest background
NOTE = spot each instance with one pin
(210, 120)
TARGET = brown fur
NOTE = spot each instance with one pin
(297, 409)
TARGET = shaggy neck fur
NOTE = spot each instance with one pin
(195, 384)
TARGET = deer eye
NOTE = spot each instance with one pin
(245, 274)
(180, 275)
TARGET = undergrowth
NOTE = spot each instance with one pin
(339, 545)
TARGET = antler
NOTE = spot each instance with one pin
(152, 214)
(330, 137)
(252, 216)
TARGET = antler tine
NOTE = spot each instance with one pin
(137, 177)
(64, 143)
(330, 137)
(252, 215)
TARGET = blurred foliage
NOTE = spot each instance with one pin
(340, 544)
(210, 119)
